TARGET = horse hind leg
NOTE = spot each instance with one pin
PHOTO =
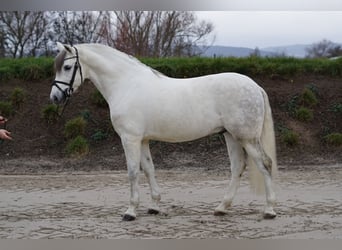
(237, 165)
(148, 168)
(264, 163)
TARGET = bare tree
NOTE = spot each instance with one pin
(335, 51)
(255, 53)
(107, 29)
(74, 27)
(156, 33)
(37, 42)
(22, 32)
(323, 49)
(2, 42)
(141, 33)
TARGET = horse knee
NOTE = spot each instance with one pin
(132, 174)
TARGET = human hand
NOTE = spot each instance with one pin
(5, 135)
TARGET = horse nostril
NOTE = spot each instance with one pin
(55, 99)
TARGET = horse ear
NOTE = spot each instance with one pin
(60, 46)
(67, 48)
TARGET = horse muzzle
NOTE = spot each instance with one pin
(59, 95)
(57, 98)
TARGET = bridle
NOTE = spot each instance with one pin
(68, 91)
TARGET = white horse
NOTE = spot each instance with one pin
(147, 105)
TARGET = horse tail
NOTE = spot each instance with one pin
(269, 147)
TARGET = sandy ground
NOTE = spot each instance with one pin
(90, 205)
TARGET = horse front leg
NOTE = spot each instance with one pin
(132, 149)
(148, 168)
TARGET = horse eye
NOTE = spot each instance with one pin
(67, 67)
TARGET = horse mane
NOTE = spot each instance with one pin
(59, 60)
(124, 56)
(156, 72)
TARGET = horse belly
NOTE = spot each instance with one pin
(183, 125)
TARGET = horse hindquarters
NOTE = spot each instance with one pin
(250, 125)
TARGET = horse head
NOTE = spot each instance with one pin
(68, 73)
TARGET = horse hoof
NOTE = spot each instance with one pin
(268, 216)
(219, 213)
(127, 217)
(152, 211)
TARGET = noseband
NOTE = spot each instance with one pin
(68, 92)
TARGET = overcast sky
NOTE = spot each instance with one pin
(273, 28)
(244, 23)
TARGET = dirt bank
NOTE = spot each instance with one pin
(36, 141)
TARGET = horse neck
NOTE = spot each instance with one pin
(109, 69)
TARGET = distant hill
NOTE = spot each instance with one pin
(296, 50)
(228, 51)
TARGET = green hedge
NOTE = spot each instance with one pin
(42, 68)
(28, 69)
(253, 66)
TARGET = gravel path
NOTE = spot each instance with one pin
(90, 206)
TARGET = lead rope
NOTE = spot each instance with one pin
(59, 114)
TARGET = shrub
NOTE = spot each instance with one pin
(304, 114)
(309, 98)
(99, 135)
(289, 137)
(336, 108)
(77, 146)
(75, 127)
(32, 72)
(334, 139)
(17, 97)
(50, 113)
(6, 108)
(292, 105)
(325, 130)
(313, 88)
(5, 72)
(86, 115)
(98, 100)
